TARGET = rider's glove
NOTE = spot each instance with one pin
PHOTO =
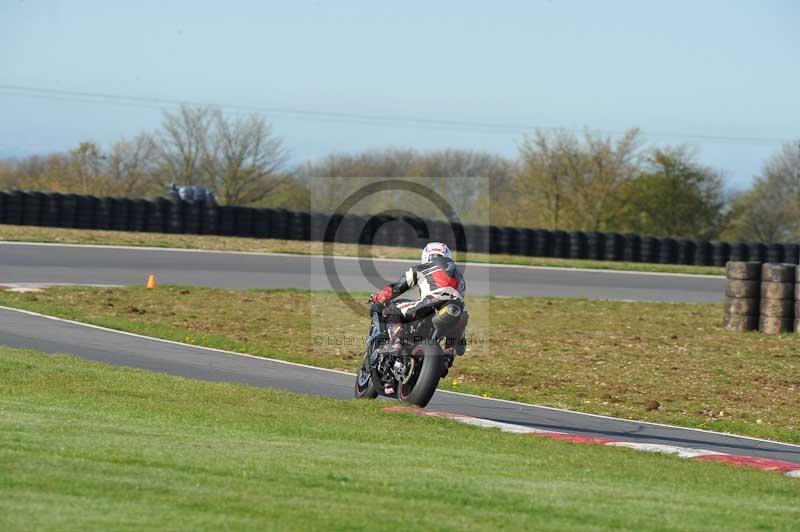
(381, 296)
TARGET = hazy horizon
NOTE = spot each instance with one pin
(717, 75)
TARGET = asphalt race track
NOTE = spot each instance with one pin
(31, 263)
(26, 330)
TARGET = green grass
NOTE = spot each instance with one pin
(661, 362)
(85, 446)
(12, 233)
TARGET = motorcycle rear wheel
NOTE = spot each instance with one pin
(421, 386)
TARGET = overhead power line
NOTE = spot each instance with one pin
(342, 117)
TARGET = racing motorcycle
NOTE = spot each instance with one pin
(425, 356)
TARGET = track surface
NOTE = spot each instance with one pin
(26, 263)
(21, 329)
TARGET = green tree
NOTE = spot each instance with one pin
(567, 182)
(770, 211)
(675, 196)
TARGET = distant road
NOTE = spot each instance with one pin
(56, 263)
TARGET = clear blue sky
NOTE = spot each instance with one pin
(684, 69)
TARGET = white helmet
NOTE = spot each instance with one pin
(434, 248)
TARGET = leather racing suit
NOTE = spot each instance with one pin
(439, 281)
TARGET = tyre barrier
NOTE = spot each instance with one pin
(775, 253)
(648, 249)
(52, 209)
(777, 298)
(791, 253)
(667, 251)
(32, 208)
(299, 226)
(685, 251)
(119, 214)
(720, 253)
(543, 243)
(738, 252)
(742, 287)
(69, 211)
(757, 252)
(560, 244)
(702, 253)
(244, 221)
(762, 296)
(595, 246)
(156, 215)
(633, 248)
(85, 212)
(165, 215)
(102, 215)
(13, 207)
(577, 245)
(796, 327)
(614, 247)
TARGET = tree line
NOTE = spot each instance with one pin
(559, 179)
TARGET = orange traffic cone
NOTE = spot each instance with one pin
(151, 281)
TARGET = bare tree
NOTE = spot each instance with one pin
(243, 159)
(470, 181)
(543, 179)
(86, 169)
(465, 179)
(132, 166)
(183, 144)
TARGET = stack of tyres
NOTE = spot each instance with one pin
(633, 248)
(739, 252)
(544, 243)
(614, 246)
(527, 241)
(720, 253)
(775, 253)
(577, 245)
(648, 249)
(757, 251)
(741, 295)
(797, 300)
(791, 253)
(702, 253)
(686, 251)
(777, 298)
(667, 250)
(595, 245)
(560, 244)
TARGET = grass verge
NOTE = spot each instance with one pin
(661, 362)
(85, 446)
(11, 233)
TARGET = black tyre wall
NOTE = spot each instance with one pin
(577, 245)
(595, 245)
(51, 210)
(32, 207)
(649, 249)
(614, 246)
(633, 248)
(720, 253)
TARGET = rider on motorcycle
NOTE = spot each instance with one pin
(439, 282)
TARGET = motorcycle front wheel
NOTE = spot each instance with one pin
(419, 387)
(365, 382)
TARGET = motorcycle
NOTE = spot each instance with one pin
(415, 370)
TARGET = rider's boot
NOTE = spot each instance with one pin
(396, 334)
